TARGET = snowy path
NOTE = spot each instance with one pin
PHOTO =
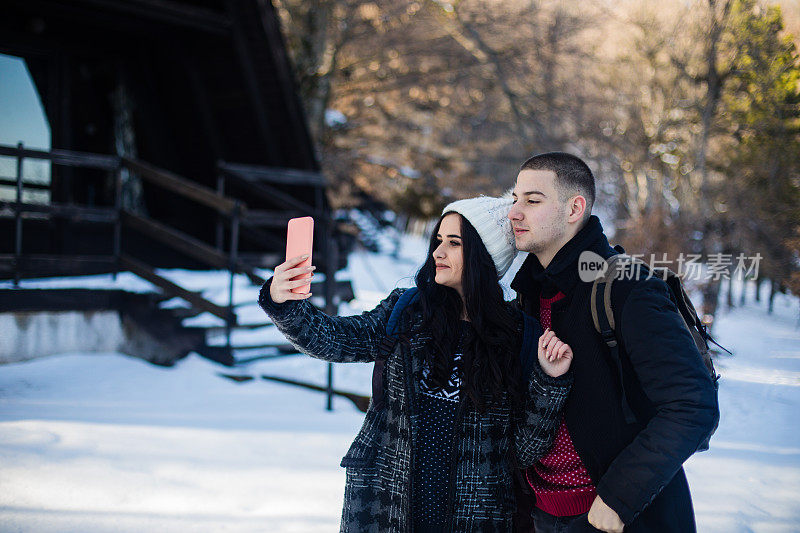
(750, 478)
(103, 442)
(109, 443)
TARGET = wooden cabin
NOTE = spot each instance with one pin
(178, 140)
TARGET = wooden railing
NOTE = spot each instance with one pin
(260, 182)
(68, 159)
(231, 213)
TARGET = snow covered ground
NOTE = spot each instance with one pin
(104, 442)
(750, 479)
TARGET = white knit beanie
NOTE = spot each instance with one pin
(489, 216)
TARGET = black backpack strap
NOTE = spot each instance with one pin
(529, 353)
(603, 318)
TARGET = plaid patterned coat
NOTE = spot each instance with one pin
(380, 461)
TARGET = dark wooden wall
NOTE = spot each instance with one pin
(208, 81)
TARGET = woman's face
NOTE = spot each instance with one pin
(449, 255)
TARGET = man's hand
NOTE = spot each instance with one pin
(604, 518)
(555, 356)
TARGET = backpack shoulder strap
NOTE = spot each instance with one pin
(409, 296)
(390, 339)
(603, 319)
(528, 354)
(387, 344)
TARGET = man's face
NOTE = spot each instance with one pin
(538, 216)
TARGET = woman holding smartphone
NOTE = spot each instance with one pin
(462, 402)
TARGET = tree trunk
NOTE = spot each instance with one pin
(714, 83)
(729, 296)
(758, 289)
(710, 292)
(773, 288)
(743, 295)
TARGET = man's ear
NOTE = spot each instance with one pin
(577, 209)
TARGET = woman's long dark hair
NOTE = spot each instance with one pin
(490, 359)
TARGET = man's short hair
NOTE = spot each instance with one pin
(573, 176)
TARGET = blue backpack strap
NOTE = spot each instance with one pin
(387, 345)
(529, 353)
(408, 297)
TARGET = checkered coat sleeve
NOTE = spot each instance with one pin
(536, 425)
(335, 339)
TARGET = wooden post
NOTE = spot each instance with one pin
(329, 389)
(18, 219)
(221, 192)
(331, 261)
(233, 259)
(118, 220)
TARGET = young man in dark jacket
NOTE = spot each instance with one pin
(602, 469)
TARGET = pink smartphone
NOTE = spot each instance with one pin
(300, 241)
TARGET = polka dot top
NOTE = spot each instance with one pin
(438, 409)
(560, 479)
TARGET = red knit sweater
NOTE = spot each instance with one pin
(560, 480)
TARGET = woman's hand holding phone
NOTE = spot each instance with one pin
(283, 280)
(555, 356)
